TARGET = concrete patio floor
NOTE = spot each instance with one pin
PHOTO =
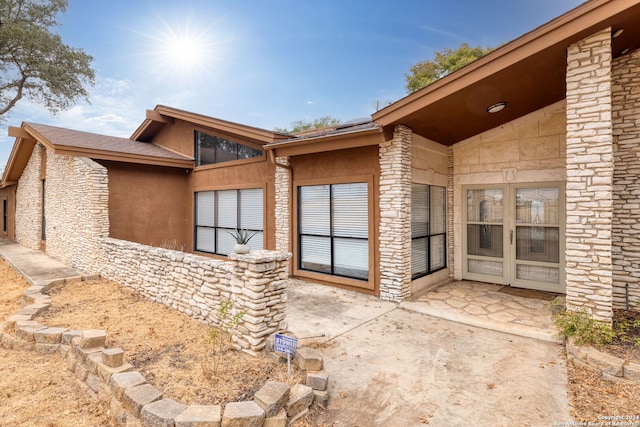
(394, 365)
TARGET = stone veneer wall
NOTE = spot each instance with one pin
(77, 197)
(29, 202)
(589, 176)
(626, 183)
(196, 285)
(77, 210)
(395, 216)
(283, 204)
(450, 204)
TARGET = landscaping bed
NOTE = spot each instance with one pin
(167, 347)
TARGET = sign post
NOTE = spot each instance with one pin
(288, 345)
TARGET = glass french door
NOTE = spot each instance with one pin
(514, 235)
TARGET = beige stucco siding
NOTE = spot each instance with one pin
(527, 150)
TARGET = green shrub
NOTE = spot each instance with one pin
(219, 337)
(584, 328)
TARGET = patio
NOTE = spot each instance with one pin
(501, 308)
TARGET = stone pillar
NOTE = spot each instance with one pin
(589, 176)
(283, 204)
(29, 202)
(626, 186)
(258, 287)
(450, 202)
(395, 216)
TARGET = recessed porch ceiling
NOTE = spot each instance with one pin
(527, 74)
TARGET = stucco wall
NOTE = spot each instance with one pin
(526, 150)
(152, 205)
(76, 198)
(29, 202)
(626, 183)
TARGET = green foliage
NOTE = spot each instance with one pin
(622, 332)
(584, 328)
(242, 237)
(218, 337)
(34, 62)
(304, 125)
(444, 62)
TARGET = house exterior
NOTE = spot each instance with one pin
(519, 169)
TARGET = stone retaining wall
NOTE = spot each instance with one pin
(197, 285)
(611, 366)
(134, 402)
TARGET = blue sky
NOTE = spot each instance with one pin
(265, 63)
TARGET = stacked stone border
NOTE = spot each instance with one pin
(610, 366)
(134, 402)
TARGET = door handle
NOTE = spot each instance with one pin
(511, 237)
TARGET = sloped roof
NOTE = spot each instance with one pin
(161, 115)
(67, 140)
(85, 144)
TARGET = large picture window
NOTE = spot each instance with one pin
(210, 149)
(428, 229)
(333, 229)
(218, 213)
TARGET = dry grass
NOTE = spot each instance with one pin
(166, 346)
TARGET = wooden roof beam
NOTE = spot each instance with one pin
(18, 132)
(154, 116)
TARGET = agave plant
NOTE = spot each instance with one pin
(242, 237)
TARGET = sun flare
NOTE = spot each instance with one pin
(183, 50)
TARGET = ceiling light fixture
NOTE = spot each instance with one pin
(496, 107)
(617, 32)
(624, 51)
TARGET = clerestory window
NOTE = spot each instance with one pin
(211, 149)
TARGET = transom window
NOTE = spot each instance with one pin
(428, 229)
(218, 213)
(210, 149)
(333, 229)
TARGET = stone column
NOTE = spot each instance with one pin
(29, 202)
(450, 202)
(589, 176)
(626, 186)
(283, 204)
(395, 216)
(258, 287)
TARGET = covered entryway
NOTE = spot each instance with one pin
(514, 235)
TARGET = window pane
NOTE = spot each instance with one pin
(228, 209)
(205, 239)
(419, 210)
(251, 214)
(315, 216)
(225, 241)
(206, 208)
(256, 242)
(438, 210)
(246, 152)
(315, 253)
(484, 205)
(437, 252)
(538, 244)
(226, 150)
(351, 258)
(419, 256)
(350, 210)
(484, 240)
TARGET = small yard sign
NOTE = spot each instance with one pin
(285, 344)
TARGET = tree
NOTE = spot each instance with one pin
(34, 62)
(303, 125)
(446, 61)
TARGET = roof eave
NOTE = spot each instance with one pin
(556, 31)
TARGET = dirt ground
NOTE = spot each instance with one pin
(169, 348)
